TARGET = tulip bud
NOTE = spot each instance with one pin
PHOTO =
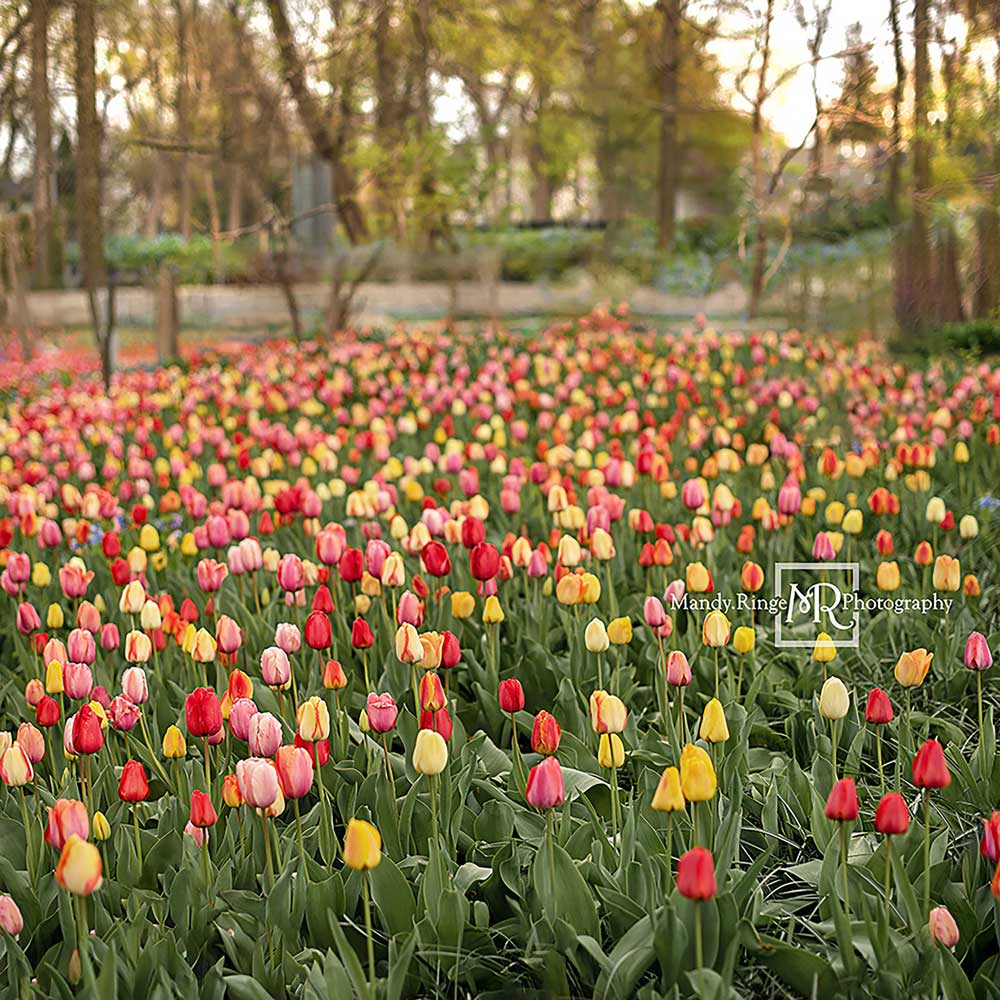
(511, 695)
(610, 750)
(545, 789)
(430, 752)
(698, 780)
(715, 629)
(102, 828)
(669, 796)
(696, 874)
(362, 845)
(713, 723)
(834, 700)
(545, 734)
(620, 631)
(607, 713)
(174, 746)
(879, 708)
(79, 867)
(930, 770)
(492, 612)
(824, 651)
(942, 926)
(892, 815)
(842, 802)
(596, 636)
(977, 652)
(744, 639)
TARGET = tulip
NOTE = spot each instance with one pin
(545, 789)
(202, 713)
(492, 612)
(15, 767)
(942, 926)
(295, 771)
(258, 782)
(334, 678)
(511, 695)
(698, 780)
(134, 685)
(462, 604)
(696, 881)
(10, 917)
(713, 723)
(669, 796)
(545, 734)
(79, 867)
(697, 579)
(382, 712)
(275, 668)
(607, 713)
(203, 814)
(430, 753)
(174, 746)
(31, 741)
(911, 668)
(979, 658)
(133, 785)
(313, 720)
(66, 817)
(432, 697)
(930, 770)
(87, 733)
(263, 735)
(362, 852)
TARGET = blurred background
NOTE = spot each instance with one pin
(292, 166)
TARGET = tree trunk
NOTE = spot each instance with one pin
(183, 122)
(314, 120)
(41, 112)
(759, 259)
(20, 317)
(666, 209)
(986, 296)
(167, 316)
(896, 135)
(912, 304)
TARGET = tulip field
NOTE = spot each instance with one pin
(426, 663)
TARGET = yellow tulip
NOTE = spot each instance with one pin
(362, 846)
(669, 796)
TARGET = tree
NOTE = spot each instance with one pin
(857, 113)
(41, 114)
(88, 182)
(669, 160)
(328, 141)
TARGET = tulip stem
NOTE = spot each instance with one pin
(27, 837)
(979, 699)
(843, 865)
(365, 896)
(389, 774)
(416, 691)
(614, 804)
(432, 780)
(833, 738)
(267, 852)
(364, 666)
(878, 754)
(138, 843)
(699, 957)
(670, 854)
(888, 883)
(927, 850)
(716, 671)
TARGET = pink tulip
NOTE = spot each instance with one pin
(822, 550)
(228, 635)
(80, 646)
(240, 714)
(134, 685)
(264, 734)
(653, 612)
(28, 620)
(275, 668)
(31, 741)
(251, 554)
(545, 788)
(977, 652)
(288, 637)
(258, 781)
(110, 639)
(123, 713)
(678, 669)
(77, 680)
(10, 916)
(382, 712)
(291, 573)
(295, 771)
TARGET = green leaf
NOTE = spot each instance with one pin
(563, 892)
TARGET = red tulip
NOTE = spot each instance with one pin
(892, 815)
(696, 874)
(351, 565)
(439, 722)
(842, 802)
(473, 532)
(451, 651)
(318, 631)
(511, 695)
(361, 633)
(87, 736)
(435, 558)
(133, 786)
(879, 707)
(203, 813)
(930, 770)
(977, 652)
(295, 771)
(47, 712)
(989, 846)
(484, 561)
(202, 712)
